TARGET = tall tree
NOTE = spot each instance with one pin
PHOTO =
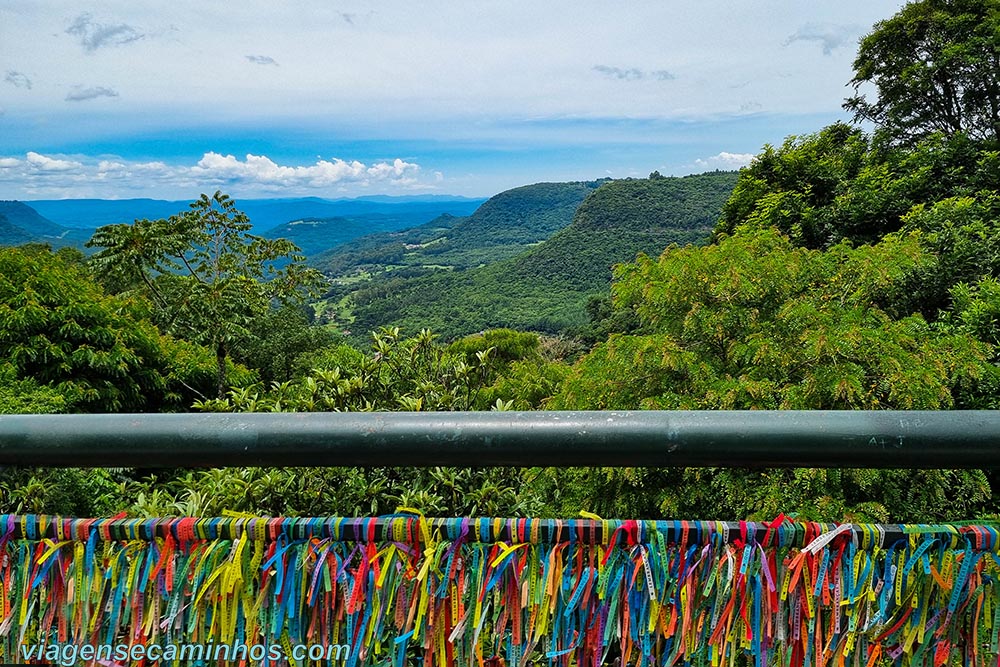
(206, 274)
(935, 67)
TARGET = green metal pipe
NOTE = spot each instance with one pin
(878, 439)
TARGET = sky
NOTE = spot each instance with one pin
(123, 99)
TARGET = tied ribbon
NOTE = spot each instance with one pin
(471, 592)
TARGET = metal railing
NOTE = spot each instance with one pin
(879, 439)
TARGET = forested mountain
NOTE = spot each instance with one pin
(622, 219)
(92, 213)
(503, 226)
(20, 223)
(546, 287)
(12, 234)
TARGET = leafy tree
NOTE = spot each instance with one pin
(58, 328)
(977, 308)
(835, 185)
(26, 396)
(786, 187)
(206, 274)
(754, 322)
(964, 234)
(191, 371)
(605, 319)
(504, 345)
(936, 68)
(65, 345)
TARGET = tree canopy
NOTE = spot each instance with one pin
(837, 184)
(58, 328)
(66, 345)
(935, 67)
(754, 322)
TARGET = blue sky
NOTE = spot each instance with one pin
(331, 99)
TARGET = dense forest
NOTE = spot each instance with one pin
(857, 267)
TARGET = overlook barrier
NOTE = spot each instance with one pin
(773, 438)
(404, 588)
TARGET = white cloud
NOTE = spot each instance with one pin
(830, 36)
(620, 73)
(255, 174)
(397, 169)
(725, 160)
(633, 73)
(80, 94)
(263, 170)
(109, 166)
(262, 60)
(18, 79)
(94, 35)
(39, 162)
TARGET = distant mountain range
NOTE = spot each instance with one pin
(325, 222)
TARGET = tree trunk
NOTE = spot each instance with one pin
(220, 359)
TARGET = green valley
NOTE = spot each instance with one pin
(494, 271)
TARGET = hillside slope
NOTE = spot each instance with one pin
(503, 226)
(545, 287)
(11, 234)
(326, 235)
(20, 223)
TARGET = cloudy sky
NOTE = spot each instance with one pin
(329, 98)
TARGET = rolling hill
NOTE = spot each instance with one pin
(12, 234)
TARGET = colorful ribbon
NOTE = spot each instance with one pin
(473, 591)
